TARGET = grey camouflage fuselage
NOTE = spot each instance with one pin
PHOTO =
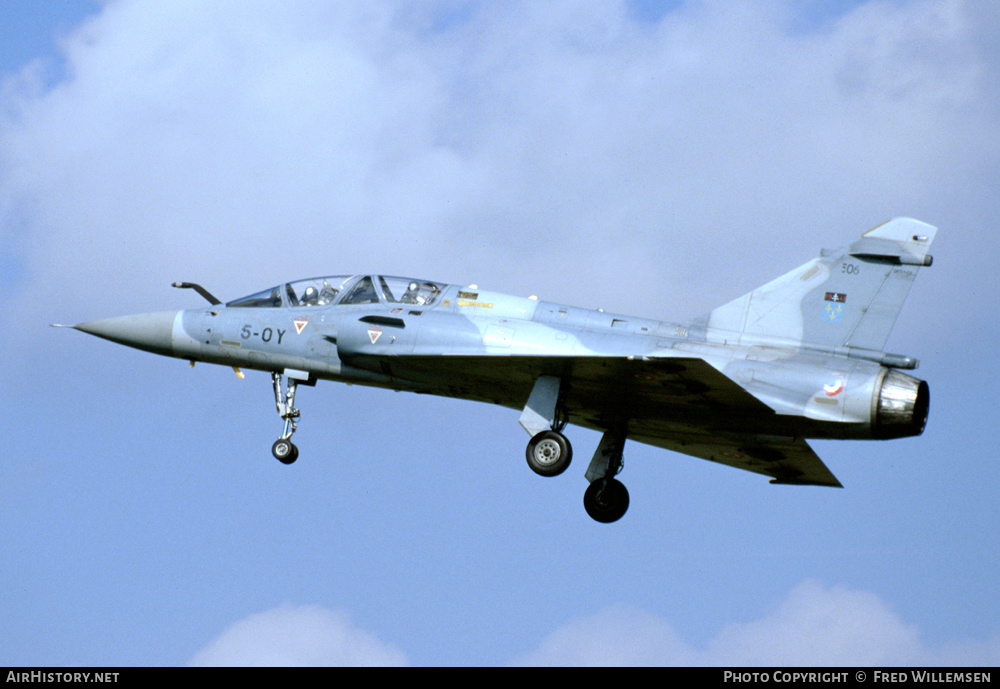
(800, 357)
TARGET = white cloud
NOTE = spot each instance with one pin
(543, 147)
(814, 625)
(299, 636)
(615, 636)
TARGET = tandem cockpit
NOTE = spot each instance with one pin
(344, 289)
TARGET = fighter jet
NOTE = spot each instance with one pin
(745, 385)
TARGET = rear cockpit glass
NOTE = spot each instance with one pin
(409, 291)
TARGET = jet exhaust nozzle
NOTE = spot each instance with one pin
(901, 406)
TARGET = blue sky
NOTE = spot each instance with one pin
(658, 161)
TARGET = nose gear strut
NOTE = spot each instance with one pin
(283, 449)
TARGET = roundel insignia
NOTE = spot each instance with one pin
(836, 387)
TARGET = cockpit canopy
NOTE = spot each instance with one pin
(344, 289)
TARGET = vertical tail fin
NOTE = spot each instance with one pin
(848, 297)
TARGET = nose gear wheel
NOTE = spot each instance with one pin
(285, 451)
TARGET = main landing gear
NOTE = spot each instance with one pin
(284, 449)
(549, 452)
(606, 499)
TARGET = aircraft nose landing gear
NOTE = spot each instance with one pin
(284, 449)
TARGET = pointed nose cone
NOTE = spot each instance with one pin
(152, 332)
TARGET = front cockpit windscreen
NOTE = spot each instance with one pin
(269, 298)
(327, 290)
(311, 292)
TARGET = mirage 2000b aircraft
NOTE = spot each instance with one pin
(800, 357)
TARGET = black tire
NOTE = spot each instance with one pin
(284, 451)
(606, 500)
(549, 453)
